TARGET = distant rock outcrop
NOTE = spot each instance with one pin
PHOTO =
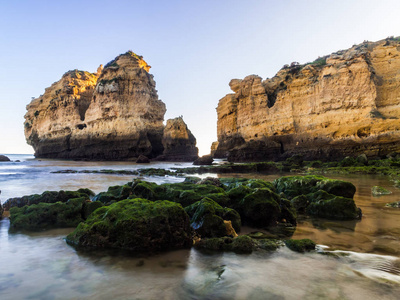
(114, 114)
(346, 103)
(179, 143)
(4, 158)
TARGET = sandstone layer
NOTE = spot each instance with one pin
(178, 141)
(346, 103)
(114, 114)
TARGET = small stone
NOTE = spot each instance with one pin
(379, 191)
(143, 160)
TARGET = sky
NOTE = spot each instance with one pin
(194, 47)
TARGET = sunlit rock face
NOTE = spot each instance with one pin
(179, 143)
(343, 104)
(114, 114)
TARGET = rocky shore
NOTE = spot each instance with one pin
(142, 216)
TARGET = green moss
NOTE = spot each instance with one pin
(47, 215)
(300, 245)
(325, 205)
(260, 208)
(207, 218)
(393, 204)
(47, 197)
(243, 244)
(139, 225)
(114, 193)
(292, 186)
(379, 191)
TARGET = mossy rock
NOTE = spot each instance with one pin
(207, 218)
(47, 215)
(261, 208)
(302, 245)
(243, 244)
(89, 207)
(393, 204)
(379, 191)
(139, 225)
(114, 193)
(144, 189)
(237, 194)
(325, 205)
(188, 193)
(47, 197)
(292, 186)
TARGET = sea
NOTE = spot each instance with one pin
(355, 259)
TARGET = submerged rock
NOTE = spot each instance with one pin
(243, 244)
(300, 245)
(379, 191)
(135, 224)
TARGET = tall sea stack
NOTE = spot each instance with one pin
(114, 114)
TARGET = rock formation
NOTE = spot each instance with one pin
(179, 143)
(114, 114)
(346, 103)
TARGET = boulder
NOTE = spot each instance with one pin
(207, 218)
(51, 215)
(204, 160)
(143, 160)
(47, 197)
(4, 158)
(138, 225)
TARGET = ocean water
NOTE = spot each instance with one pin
(364, 260)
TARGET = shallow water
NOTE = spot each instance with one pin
(42, 266)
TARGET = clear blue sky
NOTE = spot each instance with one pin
(194, 47)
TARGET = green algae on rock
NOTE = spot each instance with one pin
(320, 196)
(243, 244)
(51, 215)
(302, 245)
(379, 191)
(207, 218)
(47, 197)
(138, 225)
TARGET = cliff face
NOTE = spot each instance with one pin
(179, 143)
(114, 114)
(343, 104)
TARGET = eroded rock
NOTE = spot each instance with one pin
(343, 104)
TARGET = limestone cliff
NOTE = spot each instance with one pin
(346, 103)
(114, 114)
(179, 143)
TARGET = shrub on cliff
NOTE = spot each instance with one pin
(138, 224)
